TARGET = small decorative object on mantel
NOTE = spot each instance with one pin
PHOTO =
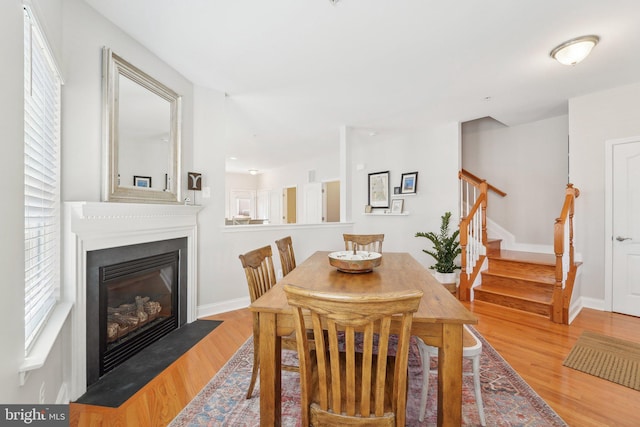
(195, 181)
(379, 190)
(446, 248)
(409, 184)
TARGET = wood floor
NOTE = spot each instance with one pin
(533, 345)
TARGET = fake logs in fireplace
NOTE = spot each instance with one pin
(126, 318)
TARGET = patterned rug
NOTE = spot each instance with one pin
(508, 400)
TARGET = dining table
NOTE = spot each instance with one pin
(438, 322)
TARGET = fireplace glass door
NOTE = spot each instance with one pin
(136, 295)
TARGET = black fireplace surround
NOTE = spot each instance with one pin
(156, 273)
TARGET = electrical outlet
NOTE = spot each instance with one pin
(206, 192)
(42, 390)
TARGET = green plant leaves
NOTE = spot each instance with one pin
(445, 247)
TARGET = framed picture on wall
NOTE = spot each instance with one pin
(379, 189)
(142, 181)
(409, 183)
(397, 205)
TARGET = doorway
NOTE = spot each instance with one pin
(289, 205)
(331, 201)
(622, 200)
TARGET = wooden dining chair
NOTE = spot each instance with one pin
(364, 242)
(258, 267)
(287, 256)
(352, 385)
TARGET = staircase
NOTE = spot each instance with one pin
(532, 282)
(520, 280)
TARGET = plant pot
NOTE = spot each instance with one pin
(446, 277)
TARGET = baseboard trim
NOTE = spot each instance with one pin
(223, 307)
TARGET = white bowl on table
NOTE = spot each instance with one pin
(355, 262)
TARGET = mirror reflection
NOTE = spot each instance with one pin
(143, 155)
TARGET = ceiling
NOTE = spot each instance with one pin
(295, 71)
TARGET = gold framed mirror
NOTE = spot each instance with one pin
(142, 126)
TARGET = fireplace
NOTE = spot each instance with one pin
(108, 241)
(136, 294)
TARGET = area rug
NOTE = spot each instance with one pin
(610, 358)
(118, 385)
(508, 400)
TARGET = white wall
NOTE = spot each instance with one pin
(594, 119)
(529, 163)
(209, 160)
(435, 154)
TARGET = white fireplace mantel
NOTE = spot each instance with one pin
(93, 226)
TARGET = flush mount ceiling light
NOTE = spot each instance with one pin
(575, 50)
(253, 171)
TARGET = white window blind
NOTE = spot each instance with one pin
(41, 180)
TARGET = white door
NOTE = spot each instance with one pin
(626, 228)
(313, 203)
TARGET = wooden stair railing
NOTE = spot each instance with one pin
(471, 178)
(473, 228)
(566, 267)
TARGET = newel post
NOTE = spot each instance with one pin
(464, 291)
(558, 248)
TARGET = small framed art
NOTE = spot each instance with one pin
(397, 205)
(409, 183)
(379, 189)
(142, 181)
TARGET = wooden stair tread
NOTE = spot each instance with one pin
(527, 257)
(521, 276)
(539, 295)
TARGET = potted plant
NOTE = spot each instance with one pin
(446, 248)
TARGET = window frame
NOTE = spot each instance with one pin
(42, 202)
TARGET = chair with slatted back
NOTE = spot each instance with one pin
(287, 256)
(258, 267)
(363, 242)
(352, 385)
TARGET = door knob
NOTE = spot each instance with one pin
(622, 239)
